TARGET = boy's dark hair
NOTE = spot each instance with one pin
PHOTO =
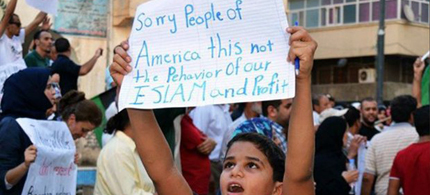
(273, 153)
(118, 122)
(62, 45)
(351, 116)
(266, 104)
(422, 120)
(402, 108)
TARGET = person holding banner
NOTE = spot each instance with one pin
(247, 168)
(29, 99)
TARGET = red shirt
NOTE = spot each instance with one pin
(412, 167)
(196, 167)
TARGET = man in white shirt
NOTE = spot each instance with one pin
(213, 120)
(320, 103)
(12, 36)
(384, 146)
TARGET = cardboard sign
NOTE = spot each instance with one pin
(193, 53)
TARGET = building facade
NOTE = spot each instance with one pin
(346, 32)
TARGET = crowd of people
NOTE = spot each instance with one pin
(309, 144)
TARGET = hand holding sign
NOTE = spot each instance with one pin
(196, 53)
(30, 155)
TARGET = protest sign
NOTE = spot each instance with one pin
(47, 6)
(53, 171)
(191, 53)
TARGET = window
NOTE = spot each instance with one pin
(317, 13)
(312, 18)
(349, 14)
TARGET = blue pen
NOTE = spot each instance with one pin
(297, 60)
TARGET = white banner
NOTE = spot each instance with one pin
(191, 53)
(54, 171)
(47, 6)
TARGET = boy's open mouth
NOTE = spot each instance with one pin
(235, 188)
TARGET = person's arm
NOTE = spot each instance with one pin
(366, 186)
(10, 9)
(298, 177)
(88, 66)
(155, 154)
(396, 173)
(33, 25)
(394, 187)
(416, 83)
(14, 175)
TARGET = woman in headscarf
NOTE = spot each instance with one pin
(28, 93)
(330, 173)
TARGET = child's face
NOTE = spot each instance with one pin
(247, 171)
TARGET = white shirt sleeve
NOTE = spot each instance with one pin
(8, 185)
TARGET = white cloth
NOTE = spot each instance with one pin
(212, 120)
(227, 135)
(111, 111)
(316, 117)
(11, 48)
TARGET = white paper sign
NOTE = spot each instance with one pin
(192, 53)
(47, 6)
(54, 171)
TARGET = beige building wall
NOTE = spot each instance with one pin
(360, 39)
(84, 49)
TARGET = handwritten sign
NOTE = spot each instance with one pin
(78, 17)
(47, 6)
(191, 53)
(53, 172)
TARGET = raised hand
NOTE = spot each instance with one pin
(121, 63)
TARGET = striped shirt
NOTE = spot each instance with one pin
(383, 149)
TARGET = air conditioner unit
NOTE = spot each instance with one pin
(366, 75)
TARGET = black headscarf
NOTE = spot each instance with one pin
(330, 161)
(329, 137)
(24, 94)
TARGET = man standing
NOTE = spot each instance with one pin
(384, 146)
(39, 57)
(369, 114)
(320, 103)
(67, 69)
(411, 167)
(279, 111)
(12, 36)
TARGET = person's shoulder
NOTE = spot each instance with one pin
(30, 55)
